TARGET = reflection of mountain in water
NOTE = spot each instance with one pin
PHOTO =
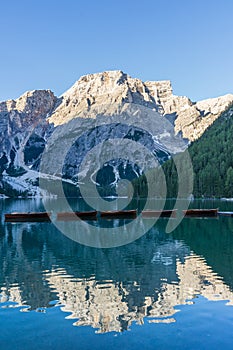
(111, 306)
(21, 267)
(109, 289)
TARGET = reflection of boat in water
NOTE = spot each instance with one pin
(201, 212)
(120, 214)
(159, 213)
(18, 217)
(76, 215)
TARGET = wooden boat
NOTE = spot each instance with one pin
(20, 217)
(118, 214)
(225, 213)
(201, 212)
(75, 215)
(159, 213)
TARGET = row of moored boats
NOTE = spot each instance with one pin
(115, 214)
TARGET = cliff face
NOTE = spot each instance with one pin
(27, 123)
(103, 93)
(22, 118)
(106, 92)
(189, 118)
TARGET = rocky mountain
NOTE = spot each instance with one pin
(212, 161)
(97, 109)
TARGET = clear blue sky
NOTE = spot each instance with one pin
(49, 44)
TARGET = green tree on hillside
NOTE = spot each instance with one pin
(229, 182)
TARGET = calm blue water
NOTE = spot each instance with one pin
(162, 291)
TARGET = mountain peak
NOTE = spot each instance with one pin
(34, 102)
(96, 91)
(107, 92)
(111, 74)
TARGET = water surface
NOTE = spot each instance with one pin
(161, 291)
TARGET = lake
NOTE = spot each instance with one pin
(161, 291)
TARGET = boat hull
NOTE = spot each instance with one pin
(201, 212)
(159, 213)
(77, 215)
(118, 214)
(225, 213)
(24, 217)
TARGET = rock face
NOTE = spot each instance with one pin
(24, 128)
(106, 92)
(103, 93)
(21, 119)
(189, 118)
(28, 122)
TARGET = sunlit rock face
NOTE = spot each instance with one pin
(189, 118)
(39, 120)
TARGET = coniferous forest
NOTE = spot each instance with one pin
(212, 161)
